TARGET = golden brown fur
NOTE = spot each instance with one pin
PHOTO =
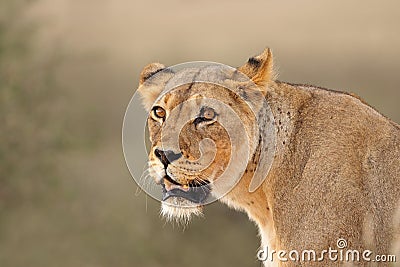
(335, 174)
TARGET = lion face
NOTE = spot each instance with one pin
(202, 133)
(192, 145)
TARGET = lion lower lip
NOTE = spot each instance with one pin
(172, 181)
(193, 194)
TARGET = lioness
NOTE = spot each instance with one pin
(335, 171)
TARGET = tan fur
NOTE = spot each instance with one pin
(336, 171)
(263, 73)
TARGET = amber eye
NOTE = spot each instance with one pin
(159, 112)
(208, 114)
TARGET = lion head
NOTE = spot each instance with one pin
(204, 127)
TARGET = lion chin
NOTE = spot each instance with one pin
(180, 210)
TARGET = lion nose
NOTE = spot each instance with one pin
(166, 157)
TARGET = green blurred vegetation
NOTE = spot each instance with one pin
(37, 124)
(30, 125)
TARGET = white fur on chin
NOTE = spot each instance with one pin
(180, 210)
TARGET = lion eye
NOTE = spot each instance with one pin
(159, 112)
(208, 114)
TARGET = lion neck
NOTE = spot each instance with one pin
(284, 103)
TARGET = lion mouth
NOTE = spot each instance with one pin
(196, 192)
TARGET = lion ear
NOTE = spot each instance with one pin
(149, 71)
(150, 90)
(260, 68)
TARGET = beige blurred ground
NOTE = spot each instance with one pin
(93, 217)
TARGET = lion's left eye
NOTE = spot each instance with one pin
(207, 114)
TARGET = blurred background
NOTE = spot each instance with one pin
(68, 69)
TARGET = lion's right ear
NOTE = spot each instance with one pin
(150, 90)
